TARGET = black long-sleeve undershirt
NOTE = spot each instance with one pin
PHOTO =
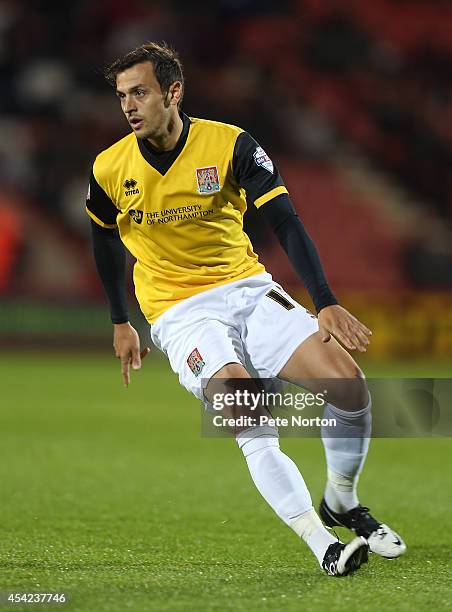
(110, 258)
(301, 251)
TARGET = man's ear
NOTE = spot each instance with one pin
(174, 95)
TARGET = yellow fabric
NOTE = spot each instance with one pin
(186, 241)
(270, 195)
(99, 222)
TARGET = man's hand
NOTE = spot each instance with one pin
(338, 322)
(126, 343)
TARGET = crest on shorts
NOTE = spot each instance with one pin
(208, 179)
(195, 362)
(262, 159)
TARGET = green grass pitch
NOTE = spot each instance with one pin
(112, 496)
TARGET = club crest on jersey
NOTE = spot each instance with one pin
(129, 185)
(208, 179)
(262, 159)
(137, 215)
(195, 362)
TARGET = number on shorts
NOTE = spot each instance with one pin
(282, 301)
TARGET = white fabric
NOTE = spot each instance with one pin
(346, 447)
(310, 528)
(341, 492)
(275, 475)
(232, 323)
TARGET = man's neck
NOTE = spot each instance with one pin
(169, 139)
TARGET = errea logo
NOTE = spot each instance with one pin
(129, 185)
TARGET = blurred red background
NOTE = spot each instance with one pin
(352, 100)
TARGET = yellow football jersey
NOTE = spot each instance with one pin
(180, 213)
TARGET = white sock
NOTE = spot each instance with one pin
(280, 483)
(340, 492)
(309, 527)
(346, 447)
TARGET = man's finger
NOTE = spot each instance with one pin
(363, 328)
(125, 361)
(364, 340)
(354, 324)
(324, 334)
(356, 340)
(358, 337)
(345, 341)
(145, 352)
(355, 333)
(136, 359)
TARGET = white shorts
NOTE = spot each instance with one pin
(252, 321)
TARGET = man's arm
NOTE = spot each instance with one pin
(265, 189)
(110, 258)
(302, 253)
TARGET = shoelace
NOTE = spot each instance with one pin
(362, 515)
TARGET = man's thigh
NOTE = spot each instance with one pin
(277, 326)
(318, 365)
(197, 347)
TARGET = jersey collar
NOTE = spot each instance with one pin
(163, 160)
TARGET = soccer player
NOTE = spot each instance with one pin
(174, 192)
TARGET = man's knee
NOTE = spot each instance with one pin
(348, 387)
(353, 394)
(224, 380)
(234, 393)
(231, 371)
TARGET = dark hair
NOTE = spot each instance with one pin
(166, 63)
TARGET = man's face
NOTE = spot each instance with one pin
(142, 101)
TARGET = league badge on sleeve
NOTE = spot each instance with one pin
(262, 159)
(208, 179)
(195, 362)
